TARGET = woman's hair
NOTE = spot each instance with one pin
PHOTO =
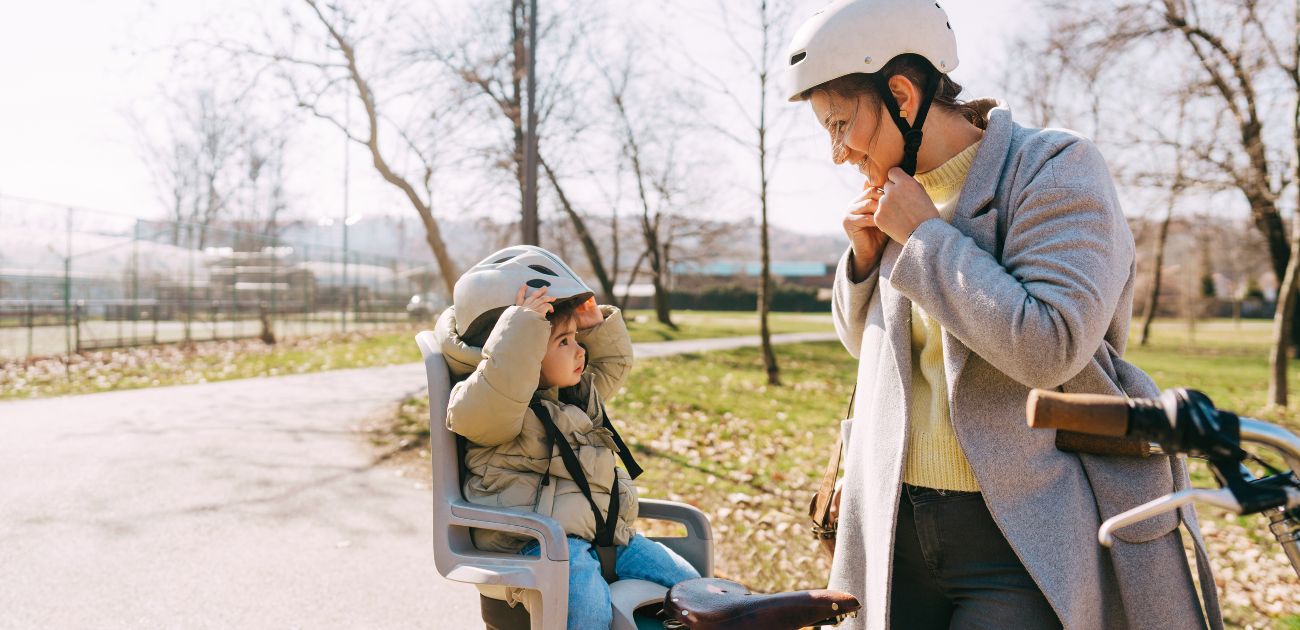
(914, 68)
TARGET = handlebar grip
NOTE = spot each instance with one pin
(1094, 414)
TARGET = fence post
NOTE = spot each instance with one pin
(77, 323)
(275, 272)
(30, 319)
(67, 286)
(189, 282)
(135, 282)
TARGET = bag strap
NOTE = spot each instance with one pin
(822, 502)
(605, 525)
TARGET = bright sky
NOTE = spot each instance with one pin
(71, 70)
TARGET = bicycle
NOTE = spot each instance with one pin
(1186, 422)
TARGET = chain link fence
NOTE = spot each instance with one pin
(74, 280)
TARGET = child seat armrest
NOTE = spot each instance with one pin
(545, 529)
(697, 546)
(696, 522)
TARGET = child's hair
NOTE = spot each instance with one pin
(562, 311)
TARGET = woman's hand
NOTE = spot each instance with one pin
(903, 207)
(867, 240)
(537, 302)
(588, 314)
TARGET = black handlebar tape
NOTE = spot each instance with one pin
(1093, 414)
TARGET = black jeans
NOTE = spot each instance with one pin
(954, 569)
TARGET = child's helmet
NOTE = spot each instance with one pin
(490, 286)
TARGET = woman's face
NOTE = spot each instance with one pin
(857, 137)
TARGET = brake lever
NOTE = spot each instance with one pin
(1221, 498)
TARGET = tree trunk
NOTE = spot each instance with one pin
(1282, 322)
(584, 235)
(765, 282)
(663, 311)
(1154, 300)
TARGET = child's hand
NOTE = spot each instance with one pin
(588, 314)
(538, 302)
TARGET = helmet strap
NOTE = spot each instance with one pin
(911, 131)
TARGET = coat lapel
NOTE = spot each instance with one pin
(898, 321)
(977, 214)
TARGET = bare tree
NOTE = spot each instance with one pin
(333, 68)
(494, 67)
(755, 31)
(200, 147)
(1239, 63)
(650, 145)
(1177, 187)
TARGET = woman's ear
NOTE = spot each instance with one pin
(905, 94)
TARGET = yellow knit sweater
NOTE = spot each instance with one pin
(934, 458)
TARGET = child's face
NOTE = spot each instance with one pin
(564, 360)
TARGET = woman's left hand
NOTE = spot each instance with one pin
(904, 206)
(589, 315)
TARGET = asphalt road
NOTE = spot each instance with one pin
(240, 504)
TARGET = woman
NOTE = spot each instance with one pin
(1005, 265)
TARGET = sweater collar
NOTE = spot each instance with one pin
(944, 183)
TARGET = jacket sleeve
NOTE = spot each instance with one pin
(489, 406)
(609, 352)
(849, 302)
(1040, 315)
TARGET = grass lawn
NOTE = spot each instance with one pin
(643, 326)
(201, 362)
(710, 432)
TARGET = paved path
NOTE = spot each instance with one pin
(240, 504)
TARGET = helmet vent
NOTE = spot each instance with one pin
(545, 270)
(537, 283)
(501, 260)
(797, 57)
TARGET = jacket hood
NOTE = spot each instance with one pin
(461, 357)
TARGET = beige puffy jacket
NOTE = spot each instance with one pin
(507, 452)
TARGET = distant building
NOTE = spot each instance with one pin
(692, 276)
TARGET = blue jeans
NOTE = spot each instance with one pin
(641, 559)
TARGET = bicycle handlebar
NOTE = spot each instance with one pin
(1184, 421)
(1094, 414)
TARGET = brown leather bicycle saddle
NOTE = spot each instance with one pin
(716, 604)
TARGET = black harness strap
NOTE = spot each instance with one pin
(624, 453)
(606, 526)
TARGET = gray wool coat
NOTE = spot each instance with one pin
(1032, 282)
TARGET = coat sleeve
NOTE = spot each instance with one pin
(849, 302)
(489, 406)
(609, 352)
(1040, 315)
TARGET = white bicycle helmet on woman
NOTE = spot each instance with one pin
(861, 37)
(489, 287)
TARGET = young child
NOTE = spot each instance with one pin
(537, 357)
